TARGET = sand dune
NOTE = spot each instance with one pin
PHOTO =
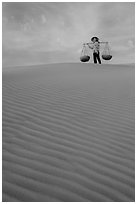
(68, 133)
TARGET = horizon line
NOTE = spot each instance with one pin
(30, 65)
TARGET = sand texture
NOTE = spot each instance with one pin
(68, 133)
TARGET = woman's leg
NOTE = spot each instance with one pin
(95, 58)
(98, 57)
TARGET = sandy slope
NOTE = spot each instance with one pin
(68, 133)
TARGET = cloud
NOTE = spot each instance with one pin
(43, 18)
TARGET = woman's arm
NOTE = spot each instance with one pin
(90, 46)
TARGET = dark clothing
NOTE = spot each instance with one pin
(96, 57)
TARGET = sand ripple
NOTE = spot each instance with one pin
(68, 133)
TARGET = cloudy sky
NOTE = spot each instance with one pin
(38, 33)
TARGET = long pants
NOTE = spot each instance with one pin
(96, 57)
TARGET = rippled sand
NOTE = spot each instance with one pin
(68, 133)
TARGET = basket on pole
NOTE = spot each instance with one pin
(84, 54)
(106, 55)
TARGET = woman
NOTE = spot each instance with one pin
(96, 48)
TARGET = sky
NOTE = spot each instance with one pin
(50, 32)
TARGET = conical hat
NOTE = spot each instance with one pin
(95, 38)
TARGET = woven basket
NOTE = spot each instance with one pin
(85, 58)
(106, 57)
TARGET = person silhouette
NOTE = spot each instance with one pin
(95, 46)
